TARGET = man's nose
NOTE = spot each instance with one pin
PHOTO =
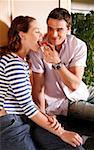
(41, 36)
(55, 33)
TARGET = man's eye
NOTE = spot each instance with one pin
(49, 28)
(60, 29)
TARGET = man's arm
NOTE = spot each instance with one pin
(71, 77)
(38, 90)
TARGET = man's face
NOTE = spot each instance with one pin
(57, 31)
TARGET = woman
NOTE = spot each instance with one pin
(16, 103)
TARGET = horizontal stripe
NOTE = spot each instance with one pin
(15, 87)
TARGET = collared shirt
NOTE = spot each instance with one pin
(72, 53)
(15, 87)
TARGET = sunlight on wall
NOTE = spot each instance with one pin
(35, 8)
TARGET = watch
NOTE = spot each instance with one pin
(57, 66)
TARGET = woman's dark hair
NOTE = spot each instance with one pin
(59, 14)
(20, 23)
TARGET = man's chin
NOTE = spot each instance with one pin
(53, 43)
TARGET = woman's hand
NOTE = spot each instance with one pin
(53, 123)
(71, 138)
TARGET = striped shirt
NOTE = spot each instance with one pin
(15, 87)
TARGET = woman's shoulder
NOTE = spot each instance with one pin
(10, 61)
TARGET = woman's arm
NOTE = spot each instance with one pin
(71, 138)
(38, 90)
(21, 87)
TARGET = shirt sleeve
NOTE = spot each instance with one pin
(18, 77)
(37, 62)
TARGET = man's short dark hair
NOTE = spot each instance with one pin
(59, 14)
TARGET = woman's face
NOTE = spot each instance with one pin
(32, 36)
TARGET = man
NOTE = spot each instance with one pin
(58, 68)
(58, 72)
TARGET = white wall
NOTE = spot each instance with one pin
(35, 8)
(66, 4)
(4, 11)
(83, 6)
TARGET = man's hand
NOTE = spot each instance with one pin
(71, 138)
(49, 53)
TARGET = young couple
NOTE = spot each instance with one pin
(16, 104)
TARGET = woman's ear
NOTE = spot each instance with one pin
(22, 35)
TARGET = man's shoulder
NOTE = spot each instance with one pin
(35, 54)
(38, 52)
(75, 40)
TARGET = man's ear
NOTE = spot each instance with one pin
(69, 30)
(21, 34)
